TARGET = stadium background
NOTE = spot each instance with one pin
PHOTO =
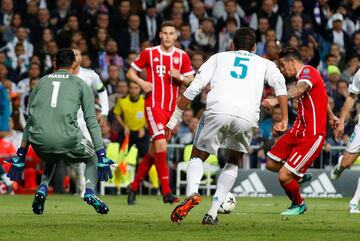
(110, 34)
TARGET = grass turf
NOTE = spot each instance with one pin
(68, 218)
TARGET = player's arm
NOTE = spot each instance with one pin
(88, 106)
(117, 113)
(277, 81)
(185, 80)
(137, 66)
(103, 95)
(333, 120)
(202, 78)
(348, 105)
(298, 90)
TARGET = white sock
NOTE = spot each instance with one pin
(224, 184)
(194, 173)
(356, 197)
(7, 180)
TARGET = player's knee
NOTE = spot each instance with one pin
(271, 165)
(284, 175)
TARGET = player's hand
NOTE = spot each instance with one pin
(18, 164)
(334, 121)
(102, 120)
(141, 133)
(339, 131)
(168, 134)
(126, 130)
(175, 73)
(270, 102)
(280, 128)
(104, 163)
(146, 86)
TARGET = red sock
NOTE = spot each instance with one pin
(143, 169)
(162, 169)
(292, 189)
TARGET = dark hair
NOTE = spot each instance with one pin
(64, 58)
(289, 52)
(167, 24)
(244, 39)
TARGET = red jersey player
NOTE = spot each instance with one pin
(167, 68)
(295, 152)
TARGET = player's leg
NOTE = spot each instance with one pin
(160, 161)
(206, 141)
(81, 178)
(353, 205)
(91, 180)
(224, 184)
(142, 170)
(7, 180)
(38, 205)
(305, 151)
(351, 153)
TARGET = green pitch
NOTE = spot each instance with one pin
(68, 218)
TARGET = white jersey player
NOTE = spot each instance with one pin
(352, 151)
(236, 81)
(93, 80)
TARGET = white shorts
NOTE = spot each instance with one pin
(353, 145)
(215, 129)
(82, 125)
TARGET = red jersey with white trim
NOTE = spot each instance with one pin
(158, 64)
(312, 105)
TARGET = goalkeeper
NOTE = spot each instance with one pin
(53, 132)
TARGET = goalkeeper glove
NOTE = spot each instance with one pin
(18, 164)
(104, 170)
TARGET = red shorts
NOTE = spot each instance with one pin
(298, 153)
(156, 120)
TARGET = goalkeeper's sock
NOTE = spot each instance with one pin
(142, 171)
(292, 188)
(162, 169)
(224, 184)
(194, 173)
(91, 175)
(7, 180)
(356, 197)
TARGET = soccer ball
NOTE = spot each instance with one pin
(228, 205)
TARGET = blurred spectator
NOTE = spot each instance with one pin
(352, 66)
(21, 38)
(197, 14)
(129, 39)
(184, 124)
(109, 56)
(121, 91)
(114, 78)
(205, 36)
(34, 73)
(219, 10)
(150, 21)
(337, 35)
(333, 73)
(43, 21)
(266, 126)
(355, 44)
(227, 35)
(87, 16)
(261, 31)
(6, 13)
(25, 97)
(60, 14)
(197, 59)
(186, 39)
(321, 14)
(98, 42)
(348, 25)
(119, 19)
(71, 26)
(230, 12)
(5, 111)
(275, 20)
(341, 94)
(9, 32)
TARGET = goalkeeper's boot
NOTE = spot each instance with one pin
(307, 177)
(294, 210)
(337, 170)
(353, 208)
(170, 198)
(38, 204)
(209, 220)
(91, 199)
(131, 196)
(180, 212)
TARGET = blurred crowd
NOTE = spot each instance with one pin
(111, 33)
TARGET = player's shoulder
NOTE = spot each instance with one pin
(148, 49)
(180, 51)
(308, 70)
(88, 72)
